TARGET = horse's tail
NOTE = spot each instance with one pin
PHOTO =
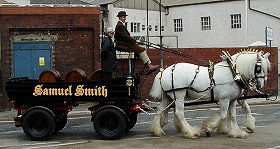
(156, 90)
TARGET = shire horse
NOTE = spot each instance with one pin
(225, 82)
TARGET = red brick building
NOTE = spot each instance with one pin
(72, 33)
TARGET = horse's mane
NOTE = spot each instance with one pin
(246, 62)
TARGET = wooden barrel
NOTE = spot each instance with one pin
(97, 75)
(50, 75)
(76, 75)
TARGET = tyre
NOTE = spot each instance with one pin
(60, 124)
(132, 121)
(38, 124)
(110, 123)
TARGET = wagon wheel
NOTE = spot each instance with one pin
(109, 123)
(60, 124)
(38, 124)
(132, 121)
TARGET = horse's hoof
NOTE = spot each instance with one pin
(187, 136)
(208, 133)
(158, 133)
(239, 134)
(252, 130)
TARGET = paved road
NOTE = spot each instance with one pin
(79, 133)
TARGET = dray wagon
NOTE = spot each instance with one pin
(43, 106)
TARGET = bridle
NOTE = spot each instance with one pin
(244, 82)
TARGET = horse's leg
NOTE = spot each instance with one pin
(176, 122)
(249, 120)
(187, 130)
(156, 123)
(235, 131)
(164, 118)
(218, 121)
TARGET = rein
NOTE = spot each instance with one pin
(159, 47)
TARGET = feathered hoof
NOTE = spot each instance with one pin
(250, 124)
(208, 133)
(159, 133)
(207, 129)
(192, 136)
(238, 134)
(251, 129)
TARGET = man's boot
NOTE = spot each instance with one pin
(146, 60)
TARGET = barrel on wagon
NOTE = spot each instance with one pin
(43, 104)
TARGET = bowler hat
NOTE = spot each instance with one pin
(121, 13)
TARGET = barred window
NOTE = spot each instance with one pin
(205, 23)
(135, 27)
(178, 25)
(235, 21)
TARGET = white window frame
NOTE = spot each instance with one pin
(235, 20)
(178, 25)
(205, 23)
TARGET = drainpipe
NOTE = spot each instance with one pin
(160, 36)
(246, 22)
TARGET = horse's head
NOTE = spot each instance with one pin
(254, 66)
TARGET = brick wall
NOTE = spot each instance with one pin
(212, 54)
(76, 29)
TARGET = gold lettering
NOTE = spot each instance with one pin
(38, 90)
(89, 92)
(104, 91)
(53, 91)
(99, 91)
(79, 90)
(68, 91)
(45, 91)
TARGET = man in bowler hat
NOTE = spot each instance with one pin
(122, 36)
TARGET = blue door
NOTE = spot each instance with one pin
(31, 58)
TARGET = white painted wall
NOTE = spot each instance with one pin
(221, 34)
(139, 16)
(19, 2)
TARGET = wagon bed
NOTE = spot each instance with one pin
(42, 107)
(22, 90)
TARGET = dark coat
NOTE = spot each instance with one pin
(108, 55)
(122, 35)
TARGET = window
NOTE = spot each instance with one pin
(205, 23)
(178, 25)
(235, 21)
(135, 27)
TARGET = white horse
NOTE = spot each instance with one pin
(184, 81)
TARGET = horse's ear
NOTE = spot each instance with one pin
(266, 55)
